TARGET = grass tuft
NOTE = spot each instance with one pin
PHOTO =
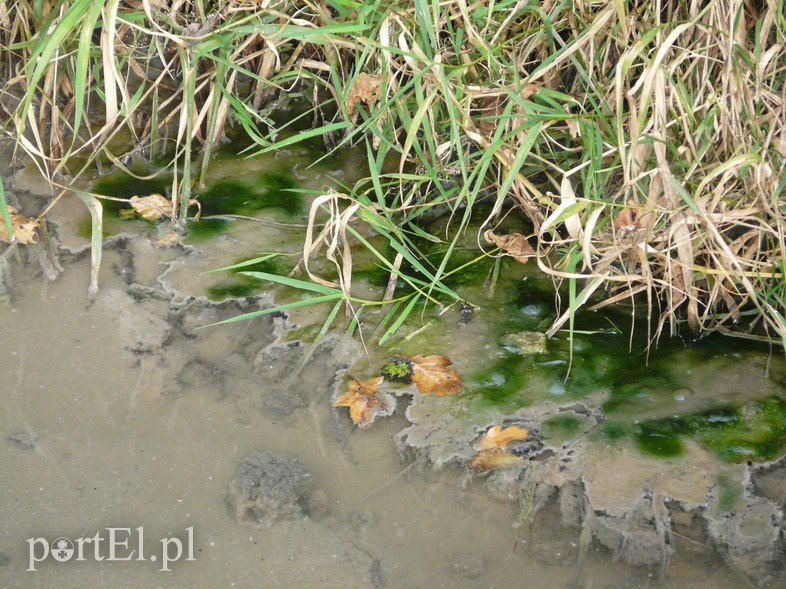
(645, 143)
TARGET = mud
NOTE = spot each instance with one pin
(269, 487)
(130, 411)
(643, 511)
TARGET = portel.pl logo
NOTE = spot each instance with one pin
(116, 545)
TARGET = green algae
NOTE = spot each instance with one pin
(568, 424)
(226, 290)
(640, 386)
(730, 492)
(206, 228)
(121, 185)
(756, 431)
(564, 427)
(659, 437)
(613, 431)
(502, 384)
(272, 190)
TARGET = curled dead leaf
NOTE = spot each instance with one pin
(497, 437)
(628, 219)
(489, 108)
(365, 89)
(432, 375)
(514, 245)
(23, 228)
(151, 207)
(365, 402)
(492, 458)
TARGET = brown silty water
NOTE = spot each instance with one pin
(130, 414)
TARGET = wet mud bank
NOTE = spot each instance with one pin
(642, 510)
(316, 495)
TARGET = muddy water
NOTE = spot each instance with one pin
(94, 448)
(123, 414)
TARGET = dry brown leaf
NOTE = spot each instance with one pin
(491, 459)
(365, 89)
(497, 437)
(23, 228)
(169, 239)
(364, 404)
(490, 106)
(432, 375)
(628, 218)
(529, 90)
(515, 245)
(151, 207)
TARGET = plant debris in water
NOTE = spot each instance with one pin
(398, 370)
(151, 207)
(492, 453)
(430, 374)
(24, 228)
(364, 402)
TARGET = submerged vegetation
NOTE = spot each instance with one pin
(644, 143)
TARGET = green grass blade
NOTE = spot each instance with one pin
(279, 308)
(293, 282)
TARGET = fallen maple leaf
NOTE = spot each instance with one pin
(432, 375)
(491, 459)
(514, 245)
(497, 437)
(22, 227)
(151, 207)
(364, 403)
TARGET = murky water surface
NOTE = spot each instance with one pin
(125, 414)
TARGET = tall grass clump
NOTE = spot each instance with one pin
(644, 142)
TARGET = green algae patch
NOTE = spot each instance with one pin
(502, 384)
(565, 427)
(729, 492)
(269, 266)
(205, 228)
(239, 286)
(569, 424)
(119, 185)
(660, 437)
(273, 190)
(227, 290)
(613, 431)
(756, 431)
(278, 192)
